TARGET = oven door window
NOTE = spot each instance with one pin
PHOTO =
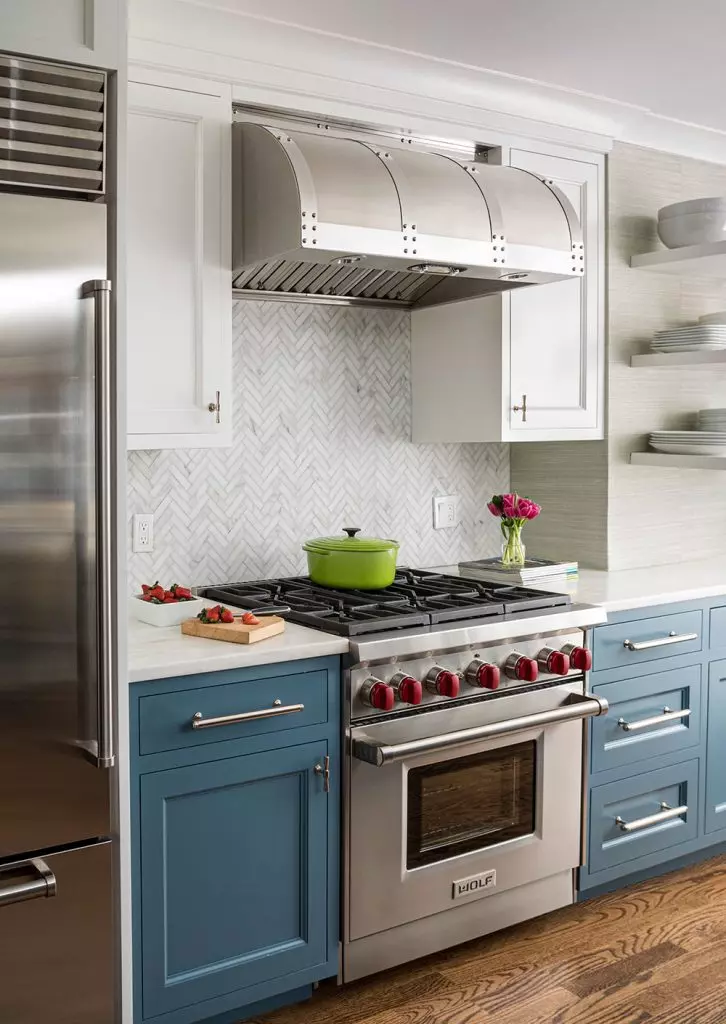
(470, 803)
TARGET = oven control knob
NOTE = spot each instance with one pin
(440, 680)
(555, 662)
(378, 694)
(406, 689)
(580, 657)
(519, 667)
(483, 674)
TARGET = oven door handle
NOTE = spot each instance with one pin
(578, 706)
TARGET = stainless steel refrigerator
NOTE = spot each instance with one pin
(56, 625)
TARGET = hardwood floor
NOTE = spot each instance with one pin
(651, 954)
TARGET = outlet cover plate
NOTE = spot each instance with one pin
(143, 532)
(446, 511)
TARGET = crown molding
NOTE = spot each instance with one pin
(280, 64)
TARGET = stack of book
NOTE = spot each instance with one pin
(534, 572)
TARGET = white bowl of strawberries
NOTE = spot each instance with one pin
(161, 607)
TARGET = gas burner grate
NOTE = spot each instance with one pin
(415, 598)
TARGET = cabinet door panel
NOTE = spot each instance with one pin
(716, 749)
(556, 329)
(179, 303)
(77, 31)
(233, 869)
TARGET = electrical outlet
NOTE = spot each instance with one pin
(143, 539)
(446, 511)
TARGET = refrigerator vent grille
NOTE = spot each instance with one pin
(52, 127)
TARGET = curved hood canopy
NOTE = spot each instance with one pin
(321, 215)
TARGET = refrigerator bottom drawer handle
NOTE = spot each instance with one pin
(30, 880)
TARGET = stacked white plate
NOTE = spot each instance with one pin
(689, 442)
(713, 318)
(712, 419)
(701, 337)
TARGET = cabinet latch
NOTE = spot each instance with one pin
(324, 770)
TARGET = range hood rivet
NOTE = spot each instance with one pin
(313, 214)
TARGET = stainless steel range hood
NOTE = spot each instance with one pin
(322, 215)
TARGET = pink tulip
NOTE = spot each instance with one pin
(509, 506)
(494, 509)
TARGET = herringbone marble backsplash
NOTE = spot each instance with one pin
(321, 440)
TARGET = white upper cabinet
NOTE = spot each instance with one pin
(72, 31)
(179, 266)
(528, 364)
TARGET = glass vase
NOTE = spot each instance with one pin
(513, 550)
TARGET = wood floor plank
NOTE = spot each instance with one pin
(643, 955)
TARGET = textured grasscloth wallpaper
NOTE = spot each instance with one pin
(321, 428)
(607, 513)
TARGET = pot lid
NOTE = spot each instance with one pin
(349, 543)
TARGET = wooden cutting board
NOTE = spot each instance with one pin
(235, 632)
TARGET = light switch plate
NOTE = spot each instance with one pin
(446, 511)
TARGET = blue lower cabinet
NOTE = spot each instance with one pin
(235, 841)
(716, 748)
(234, 871)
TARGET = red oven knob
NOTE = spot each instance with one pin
(378, 694)
(406, 689)
(440, 680)
(519, 667)
(555, 662)
(483, 674)
(580, 657)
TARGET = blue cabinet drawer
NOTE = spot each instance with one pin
(166, 721)
(716, 748)
(620, 829)
(649, 715)
(623, 644)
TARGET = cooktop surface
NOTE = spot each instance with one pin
(416, 597)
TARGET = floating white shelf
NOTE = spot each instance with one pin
(679, 359)
(678, 461)
(707, 259)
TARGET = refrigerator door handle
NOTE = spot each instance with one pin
(21, 887)
(100, 292)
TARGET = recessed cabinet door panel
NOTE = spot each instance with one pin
(76, 31)
(555, 330)
(179, 306)
(716, 749)
(233, 870)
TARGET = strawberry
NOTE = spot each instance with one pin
(145, 588)
(181, 593)
(250, 620)
(145, 597)
(157, 591)
(170, 600)
(226, 615)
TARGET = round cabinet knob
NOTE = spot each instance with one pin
(483, 674)
(519, 667)
(406, 689)
(440, 680)
(555, 662)
(378, 694)
(580, 657)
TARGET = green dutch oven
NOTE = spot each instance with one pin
(352, 563)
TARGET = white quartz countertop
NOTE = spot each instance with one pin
(161, 652)
(627, 589)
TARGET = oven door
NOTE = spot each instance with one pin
(449, 806)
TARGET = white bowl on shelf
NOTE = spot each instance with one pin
(710, 204)
(165, 614)
(693, 228)
(713, 318)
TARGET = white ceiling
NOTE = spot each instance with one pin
(665, 55)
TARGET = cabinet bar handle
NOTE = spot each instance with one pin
(665, 814)
(522, 408)
(662, 641)
(42, 886)
(324, 770)
(216, 407)
(200, 722)
(666, 716)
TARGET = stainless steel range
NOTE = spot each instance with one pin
(465, 705)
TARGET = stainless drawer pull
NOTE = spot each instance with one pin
(666, 813)
(44, 885)
(644, 723)
(200, 722)
(663, 641)
(578, 706)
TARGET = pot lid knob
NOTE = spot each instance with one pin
(351, 530)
